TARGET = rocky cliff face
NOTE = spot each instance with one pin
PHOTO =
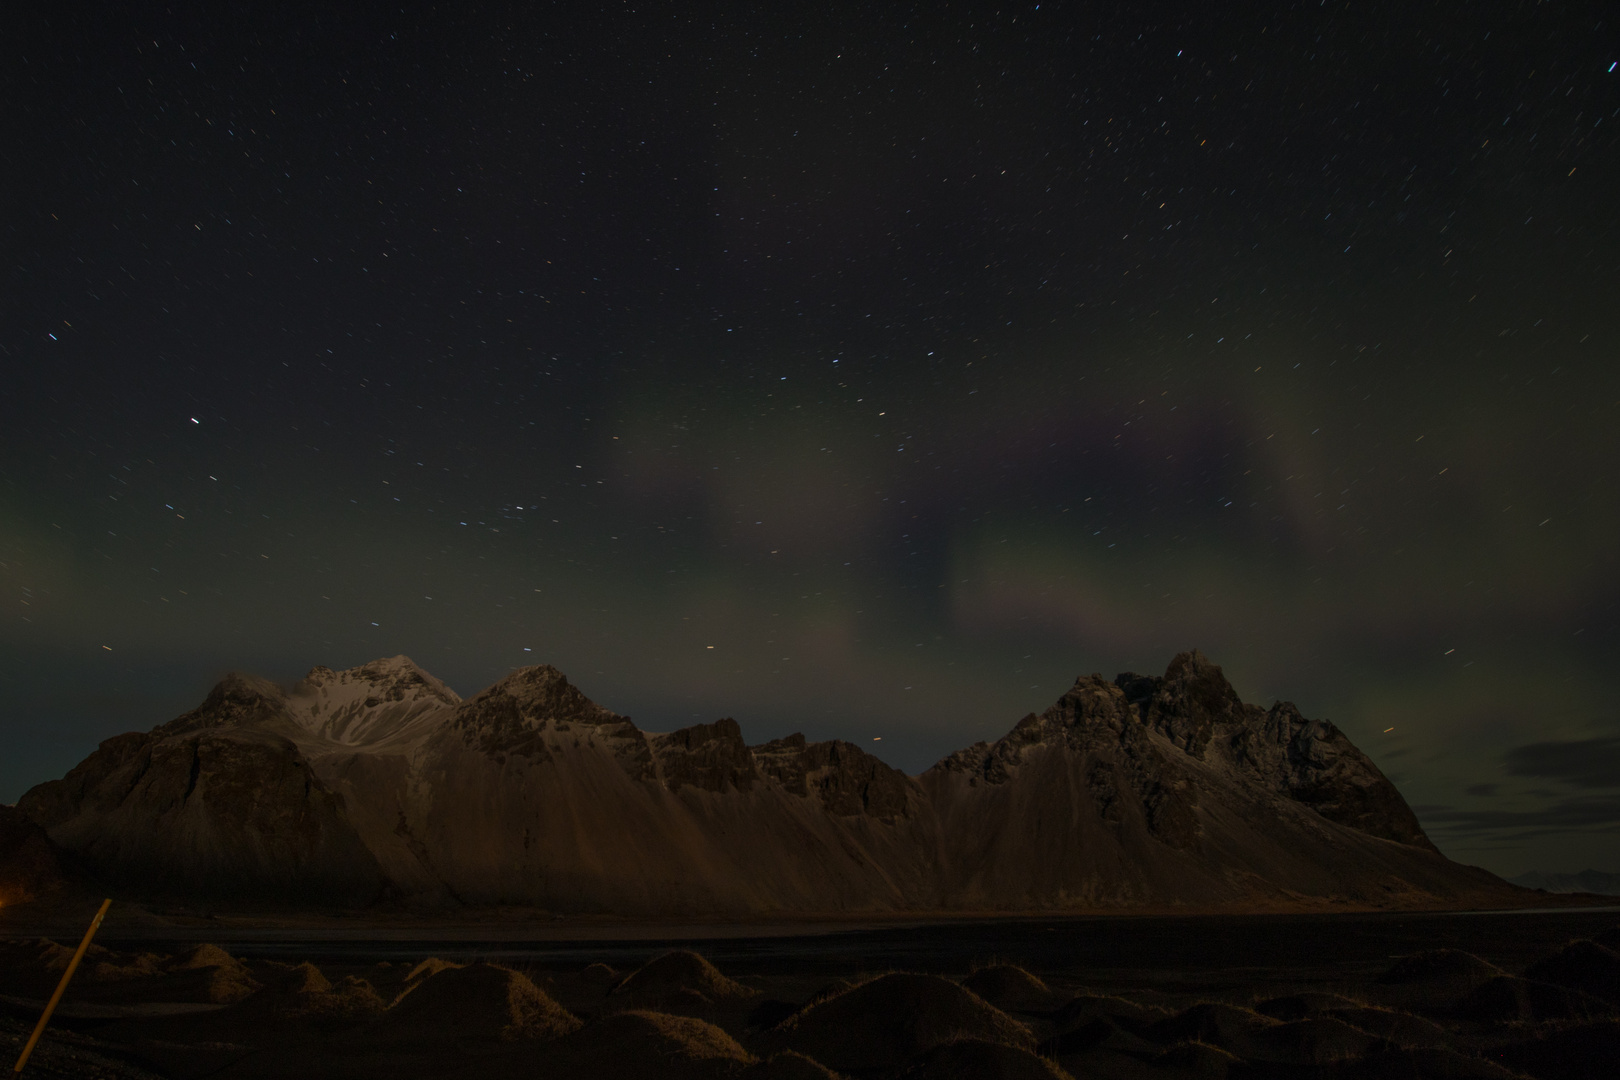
(28, 862)
(1144, 790)
(220, 802)
(379, 782)
(1309, 761)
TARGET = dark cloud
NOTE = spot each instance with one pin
(1591, 763)
(1484, 791)
(1585, 813)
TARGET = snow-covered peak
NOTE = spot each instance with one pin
(383, 669)
(369, 703)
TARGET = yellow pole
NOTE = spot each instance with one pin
(73, 965)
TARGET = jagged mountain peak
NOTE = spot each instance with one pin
(1314, 763)
(388, 672)
(712, 757)
(1093, 710)
(1188, 703)
(534, 709)
(1196, 709)
(848, 781)
(541, 692)
(237, 699)
(1193, 664)
(1094, 704)
(397, 662)
(366, 704)
(1132, 790)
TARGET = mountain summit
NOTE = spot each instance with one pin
(380, 783)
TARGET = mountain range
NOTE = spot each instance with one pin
(1598, 882)
(380, 785)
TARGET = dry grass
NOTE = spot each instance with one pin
(681, 970)
(1007, 986)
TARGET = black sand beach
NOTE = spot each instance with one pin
(1490, 994)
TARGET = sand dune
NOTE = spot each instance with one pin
(487, 1020)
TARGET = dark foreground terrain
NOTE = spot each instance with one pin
(1344, 996)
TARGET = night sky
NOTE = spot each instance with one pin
(868, 371)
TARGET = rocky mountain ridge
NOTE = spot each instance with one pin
(379, 783)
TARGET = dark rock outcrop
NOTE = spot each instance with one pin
(844, 778)
(216, 803)
(1309, 761)
(525, 712)
(712, 757)
(29, 866)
